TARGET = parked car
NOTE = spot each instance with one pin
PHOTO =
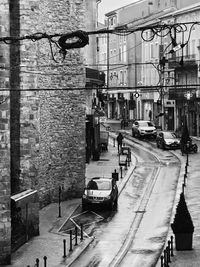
(167, 140)
(100, 192)
(142, 128)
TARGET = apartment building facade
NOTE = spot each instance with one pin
(142, 56)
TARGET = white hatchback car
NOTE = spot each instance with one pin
(142, 128)
(100, 192)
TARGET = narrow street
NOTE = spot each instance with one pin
(134, 234)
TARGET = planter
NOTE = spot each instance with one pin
(183, 241)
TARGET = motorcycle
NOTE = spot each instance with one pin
(189, 147)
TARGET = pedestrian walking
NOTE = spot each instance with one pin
(119, 141)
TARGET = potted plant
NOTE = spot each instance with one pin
(182, 226)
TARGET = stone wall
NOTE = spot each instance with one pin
(52, 139)
(47, 121)
(5, 226)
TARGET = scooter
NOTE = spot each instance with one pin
(189, 147)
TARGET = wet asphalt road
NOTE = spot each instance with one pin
(134, 234)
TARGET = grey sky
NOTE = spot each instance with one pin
(109, 5)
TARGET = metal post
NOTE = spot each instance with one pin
(165, 259)
(81, 232)
(64, 248)
(70, 243)
(37, 262)
(168, 252)
(45, 261)
(186, 169)
(59, 201)
(172, 254)
(121, 171)
(162, 263)
(126, 165)
(76, 234)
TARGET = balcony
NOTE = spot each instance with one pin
(176, 61)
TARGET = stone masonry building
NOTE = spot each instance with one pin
(42, 110)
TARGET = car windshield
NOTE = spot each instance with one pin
(146, 124)
(100, 185)
(169, 135)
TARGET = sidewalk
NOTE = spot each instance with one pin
(50, 241)
(190, 258)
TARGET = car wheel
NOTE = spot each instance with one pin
(138, 135)
(158, 145)
(163, 146)
(195, 149)
(133, 133)
(111, 205)
(116, 203)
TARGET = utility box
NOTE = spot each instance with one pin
(24, 217)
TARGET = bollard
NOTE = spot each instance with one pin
(37, 262)
(187, 162)
(162, 263)
(186, 169)
(64, 248)
(81, 232)
(172, 254)
(113, 142)
(121, 171)
(168, 252)
(165, 259)
(45, 261)
(59, 201)
(70, 243)
(126, 166)
(76, 234)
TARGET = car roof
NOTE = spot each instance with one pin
(143, 121)
(166, 132)
(102, 178)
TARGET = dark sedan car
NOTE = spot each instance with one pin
(167, 140)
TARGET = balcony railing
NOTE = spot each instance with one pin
(187, 60)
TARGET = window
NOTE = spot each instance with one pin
(121, 78)
(187, 49)
(151, 51)
(125, 77)
(124, 53)
(120, 54)
(193, 47)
